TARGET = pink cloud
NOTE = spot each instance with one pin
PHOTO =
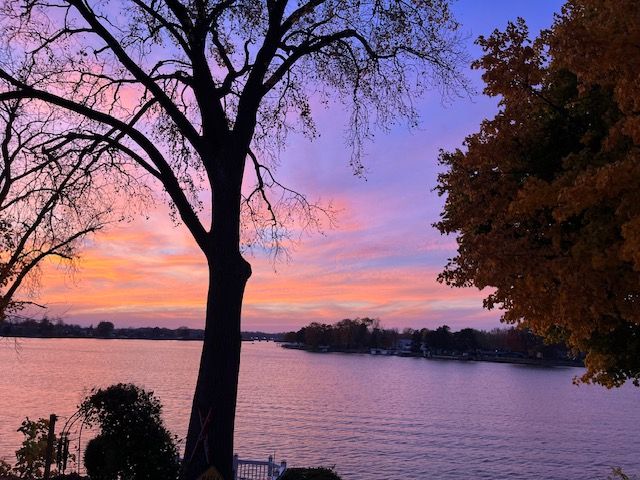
(380, 261)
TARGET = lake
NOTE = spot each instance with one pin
(373, 417)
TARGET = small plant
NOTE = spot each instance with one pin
(133, 443)
(5, 469)
(31, 455)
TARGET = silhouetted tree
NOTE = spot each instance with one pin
(316, 334)
(416, 341)
(132, 443)
(192, 92)
(351, 334)
(389, 337)
(439, 339)
(466, 339)
(291, 337)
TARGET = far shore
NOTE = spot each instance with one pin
(495, 357)
(62, 337)
(359, 336)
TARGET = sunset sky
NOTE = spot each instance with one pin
(381, 260)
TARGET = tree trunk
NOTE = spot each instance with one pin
(211, 426)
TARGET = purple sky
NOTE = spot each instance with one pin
(381, 260)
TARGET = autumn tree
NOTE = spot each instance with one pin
(544, 198)
(195, 91)
(52, 195)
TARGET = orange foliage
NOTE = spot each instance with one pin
(545, 199)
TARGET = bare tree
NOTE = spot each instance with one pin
(51, 197)
(195, 91)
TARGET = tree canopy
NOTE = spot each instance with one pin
(544, 199)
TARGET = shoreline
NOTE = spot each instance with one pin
(62, 337)
(470, 357)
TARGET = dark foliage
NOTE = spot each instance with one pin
(133, 443)
(543, 198)
(30, 457)
(46, 328)
(310, 474)
(104, 329)
(365, 334)
(347, 334)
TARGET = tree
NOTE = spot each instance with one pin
(318, 473)
(317, 334)
(51, 198)
(439, 339)
(466, 340)
(104, 329)
(350, 334)
(544, 201)
(133, 443)
(192, 92)
(416, 340)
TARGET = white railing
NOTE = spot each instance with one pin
(257, 469)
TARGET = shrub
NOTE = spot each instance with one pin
(133, 443)
(31, 455)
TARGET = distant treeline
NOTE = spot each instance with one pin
(364, 334)
(359, 335)
(47, 328)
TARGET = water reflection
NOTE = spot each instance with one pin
(373, 417)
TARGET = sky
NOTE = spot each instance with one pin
(380, 260)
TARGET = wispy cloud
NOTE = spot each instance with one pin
(381, 261)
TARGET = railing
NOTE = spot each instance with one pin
(257, 469)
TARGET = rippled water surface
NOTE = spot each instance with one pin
(372, 417)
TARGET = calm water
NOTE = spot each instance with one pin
(374, 418)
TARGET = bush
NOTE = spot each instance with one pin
(133, 443)
(319, 473)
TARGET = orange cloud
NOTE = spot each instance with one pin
(151, 273)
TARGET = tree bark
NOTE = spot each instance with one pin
(211, 426)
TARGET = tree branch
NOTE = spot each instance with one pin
(186, 128)
(169, 181)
